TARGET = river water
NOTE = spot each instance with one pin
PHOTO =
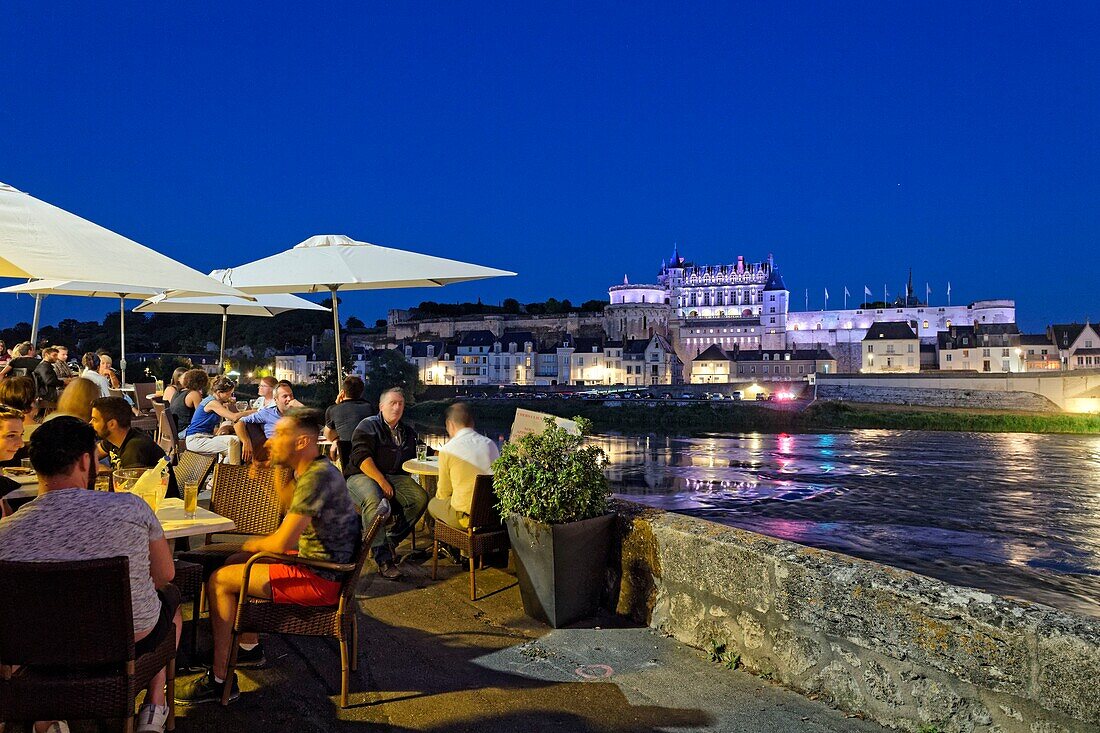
(1017, 514)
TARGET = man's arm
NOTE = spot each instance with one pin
(369, 468)
(444, 488)
(246, 442)
(285, 538)
(161, 567)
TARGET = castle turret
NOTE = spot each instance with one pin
(773, 314)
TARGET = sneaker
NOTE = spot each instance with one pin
(389, 571)
(205, 689)
(246, 659)
(152, 718)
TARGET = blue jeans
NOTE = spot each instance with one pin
(408, 504)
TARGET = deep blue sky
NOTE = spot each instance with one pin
(574, 143)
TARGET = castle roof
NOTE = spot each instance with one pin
(480, 337)
(775, 281)
(713, 353)
(795, 355)
(889, 330)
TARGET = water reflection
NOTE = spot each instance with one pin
(1017, 514)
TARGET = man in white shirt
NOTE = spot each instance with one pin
(465, 456)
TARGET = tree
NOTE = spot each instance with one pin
(328, 385)
(354, 322)
(391, 369)
(510, 305)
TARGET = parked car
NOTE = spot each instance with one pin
(761, 397)
(715, 396)
(737, 396)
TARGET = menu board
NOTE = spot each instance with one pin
(529, 421)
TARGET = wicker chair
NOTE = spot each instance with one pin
(245, 494)
(69, 627)
(143, 396)
(166, 431)
(485, 534)
(259, 615)
(192, 467)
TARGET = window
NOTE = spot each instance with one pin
(949, 357)
(1004, 352)
(870, 348)
(985, 352)
(926, 324)
(910, 349)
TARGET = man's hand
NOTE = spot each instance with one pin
(387, 489)
(246, 452)
(340, 396)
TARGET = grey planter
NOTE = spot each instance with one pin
(561, 567)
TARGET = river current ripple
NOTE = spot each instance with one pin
(1013, 513)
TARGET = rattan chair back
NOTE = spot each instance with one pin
(166, 430)
(66, 613)
(194, 467)
(484, 514)
(143, 393)
(247, 495)
(362, 552)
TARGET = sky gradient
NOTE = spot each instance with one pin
(576, 142)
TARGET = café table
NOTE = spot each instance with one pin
(176, 524)
(28, 485)
(426, 471)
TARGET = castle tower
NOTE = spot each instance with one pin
(773, 313)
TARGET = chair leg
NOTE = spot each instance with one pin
(435, 557)
(354, 643)
(170, 693)
(343, 672)
(231, 669)
(196, 616)
(128, 725)
(473, 591)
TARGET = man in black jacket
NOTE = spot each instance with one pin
(45, 375)
(379, 445)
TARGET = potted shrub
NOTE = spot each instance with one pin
(553, 497)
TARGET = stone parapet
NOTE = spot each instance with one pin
(898, 647)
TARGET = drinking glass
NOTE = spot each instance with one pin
(421, 452)
(190, 498)
(125, 478)
(26, 463)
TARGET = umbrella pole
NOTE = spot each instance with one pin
(336, 328)
(221, 353)
(122, 326)
(37, 314)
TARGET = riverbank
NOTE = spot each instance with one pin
(702, 417)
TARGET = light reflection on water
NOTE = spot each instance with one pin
(1013, 513)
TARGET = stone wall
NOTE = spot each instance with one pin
(936, 397)
(897, 647)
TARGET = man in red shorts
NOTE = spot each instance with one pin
(321, 523)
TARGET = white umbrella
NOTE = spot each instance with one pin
(265, 306)
(42, 242)
(335, 262)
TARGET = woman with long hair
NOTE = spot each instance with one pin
(76, 399)
(192, 389)
(174, 385)
(201, 435)
(91, 373)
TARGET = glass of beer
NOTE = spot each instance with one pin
(421, 452)
(190, 498)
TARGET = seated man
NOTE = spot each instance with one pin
(126, 447)
(379, 445)
(45, 374)
(69, 522)
(266, 417)
(466, 455)
(321, 523)
(342, 418)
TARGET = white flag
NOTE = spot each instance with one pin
(826, 293)
(867, 291)
(846, 293)
(949, 288)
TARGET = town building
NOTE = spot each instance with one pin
(983, 347)
(789, 365)
(1078, 344)
(891, 347)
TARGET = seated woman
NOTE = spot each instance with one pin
(175, 386)
(91, 373)
(11, 442)
(181, 408)
(201, 435)
(19, 394)
(108, 372)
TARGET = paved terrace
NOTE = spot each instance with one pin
(432, 660)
